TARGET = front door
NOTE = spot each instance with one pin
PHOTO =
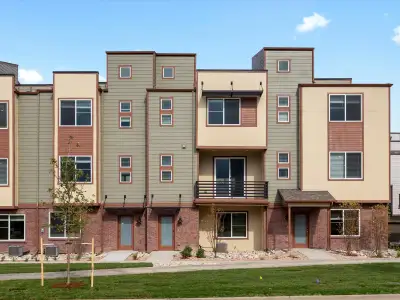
(166, 233)
(300, 231)
(229, 177)
(125, 233)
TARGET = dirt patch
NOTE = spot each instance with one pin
(64, 285)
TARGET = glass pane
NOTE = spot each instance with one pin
(168, 72)
(224, 225)
(166, 119)
(283, 116)
(283, 101)
(57, 225)
(283, 65)
(351, 222)
(166, 160)
(125, 122)
(126, 231)
(337, 165)
(283, 173)
(300, 229)
(238, 231)
(83, 159)
(166, 231)
(283, 158)
(17, 230)
(166, 175)
(215, 118)
(17, 218)
(67, 112)
(3, 115)
(125, 177)
(353, 165)
(353, 108)
(166, 104)
(336, 104)
(3, 233)
(3, 171)
(336, 215)
(67, 168)
(215, 105)
(125, 106)
(239, 219)
(125, 72)
(336, 227)
(125, 162)
(232, 114)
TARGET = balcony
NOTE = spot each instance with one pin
(228, 189)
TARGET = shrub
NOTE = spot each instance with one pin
(200, 253)
(186, 252)
(398, 253)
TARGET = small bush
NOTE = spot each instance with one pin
(135, 256)
(398, 253)
(200, 253)
(187, 252)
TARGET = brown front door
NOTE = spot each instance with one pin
(166, 232)
(125, 233)
(300, 231)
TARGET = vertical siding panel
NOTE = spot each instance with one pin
(184, 71)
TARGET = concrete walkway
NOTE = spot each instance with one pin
(161, 257)
(116, 256)
(315, 254)
(355, 297)
(222, 266)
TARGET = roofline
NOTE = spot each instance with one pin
(288, 48)
(6, 62)
(7, 74)
(332, 78)
(170, 90)
(148, 53)
(345, 85)
(75, 72)
(231, 70)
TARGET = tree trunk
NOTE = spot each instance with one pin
(68, 262)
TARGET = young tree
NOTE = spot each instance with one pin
(69, 199)
(214, 225)
(379, 227)
(350, 227)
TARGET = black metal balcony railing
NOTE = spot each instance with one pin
(231, 189)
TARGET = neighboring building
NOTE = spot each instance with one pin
(394, 222)
(272, 149)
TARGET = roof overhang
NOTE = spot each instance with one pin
(232, 202)
(299, 198)
(232, 93)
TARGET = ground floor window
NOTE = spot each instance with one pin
(232, 225)
(58, 226)
(12, 227)
(345, 222)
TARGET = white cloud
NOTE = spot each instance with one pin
(396, 37)
(29, 76)
(101, 78)
(312, 22)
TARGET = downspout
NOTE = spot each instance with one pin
(37, 176)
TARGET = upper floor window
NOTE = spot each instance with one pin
(75, 112)
(345, 165)
(283, 101)
(168, 72)
(78, 165)
(3, 115)
(12, 227)
(166, 168)
(223, 111)
(125, 122)
(125, 162)
(3, 171)
(166, 112)
(283, 117)
(345, 108)
(125, 72)
(166, 104)
(283, 157)
(283, 66)
(125, 106)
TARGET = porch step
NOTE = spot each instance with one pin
(117, 256)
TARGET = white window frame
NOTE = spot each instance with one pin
(161, 161)
(166, 124)
(165, 99)
(284, 71)
(284, 112)
(168, 77)
(345, 108)
(130, 177)
(65, 230)
(76, 110)
(120, 162)
(359, 221)
(223, 111)
(126, 117)
(279, 168)
(9, 228)
(283, 96)
(284, 162)
(345, 165)
(168, 170)
(6, 103)
(233, 237)
(130, 72)
(130, 106)
(75, 156)
(5, 184)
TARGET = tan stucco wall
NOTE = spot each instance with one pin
(314, 133)
(254, 229)
(6, 93)
(78, 86)
(231, 135)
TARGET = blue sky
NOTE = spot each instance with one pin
(358, 41)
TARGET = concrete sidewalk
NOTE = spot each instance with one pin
(188, 268)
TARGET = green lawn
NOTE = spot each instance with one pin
(54, 267)
(335, 279)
